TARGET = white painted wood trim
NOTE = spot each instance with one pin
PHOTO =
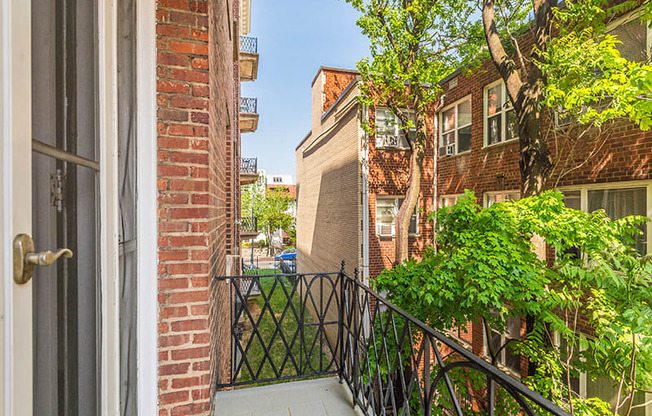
(109, 376)
(15, 204)
(584, 191)
(147, 300)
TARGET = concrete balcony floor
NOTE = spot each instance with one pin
(320, 397)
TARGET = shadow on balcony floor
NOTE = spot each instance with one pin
(320, 397)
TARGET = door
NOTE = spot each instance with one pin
(50, 338)
(65, 207)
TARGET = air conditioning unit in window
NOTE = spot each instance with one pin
(450, 149)
(384, 229)
(388, 140)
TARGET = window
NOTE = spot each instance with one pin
(563, 118)
(617, 203)
(635, 36)
(455, 130)
(388, 131)
(449, 200)
(491, 198)
(277, 179)
(386, 209)
(499, 119)
(506, 356)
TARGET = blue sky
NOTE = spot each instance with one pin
(295, 38)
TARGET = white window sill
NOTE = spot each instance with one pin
(504, 368)
(466, 152)
(392, 148)
(486, 146)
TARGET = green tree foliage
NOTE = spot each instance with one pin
(414, 44)
(274, 208)
(485, 269)
(586, 74)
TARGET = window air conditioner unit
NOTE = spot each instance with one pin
(384, 229)
(391, 141)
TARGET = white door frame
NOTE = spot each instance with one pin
(16, 364)
(147, 229)
(147, 215)
(15, 204)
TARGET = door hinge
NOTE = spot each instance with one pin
(57, 183)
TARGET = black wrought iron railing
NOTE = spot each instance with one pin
(248, 105)
(248, 44)
(249, 165)
(249, 224)
(309, 325)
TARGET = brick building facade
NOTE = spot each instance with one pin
(198, 100)
(343, 173)
(478, 150)
(612, 170)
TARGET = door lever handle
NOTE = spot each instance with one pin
(46, 258)
(25, 258)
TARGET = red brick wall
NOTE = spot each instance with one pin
(389, 171)
(626, 156)
(335, 82)
(193, 190)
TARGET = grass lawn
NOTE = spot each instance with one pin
(305, 347)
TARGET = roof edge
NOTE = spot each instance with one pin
(334, 69)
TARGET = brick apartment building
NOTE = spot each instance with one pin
(350, 183)
(203, 56)
(123, 146)
(339, 169)
(479, 151)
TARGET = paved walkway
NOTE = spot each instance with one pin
(320, 397)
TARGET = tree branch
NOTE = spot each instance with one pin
(505, 65)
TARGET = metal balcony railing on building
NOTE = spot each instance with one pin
(248, 44)
(249, 165)
(248, 115)
(310, 325)
(248, 58)
(248, 228)
(248, 170)
(248, 105)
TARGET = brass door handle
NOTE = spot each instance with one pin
(25, 258)
(46, 258)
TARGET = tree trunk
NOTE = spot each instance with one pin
(412, 196)
(535, 161)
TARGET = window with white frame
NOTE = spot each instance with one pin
(388, 129)
(491, 198)
(386, 209)
(584, 386)
(506, 357)
(449, 200)
(634, 44)
(634, 36)
(617, 202)
(500, 124)
(455, 128)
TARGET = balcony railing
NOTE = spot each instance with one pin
(249, 165)
(308, 325)
(249, 224)
(249, 105)
(248, 44)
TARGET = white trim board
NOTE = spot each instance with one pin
(109, 376)
(15, 204)
(147, 232)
